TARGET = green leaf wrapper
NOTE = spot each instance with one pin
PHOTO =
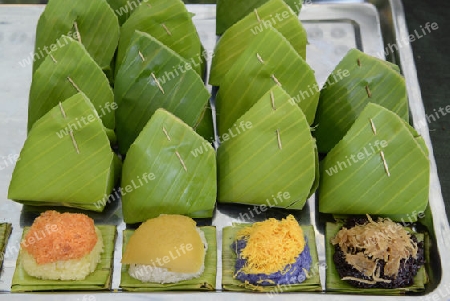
(237, 38)
(357, 80)
(268, 61)
(269, 151)
(143, 86)
(123, 8)
(65, 72)
(79, 19)
(335, 284)
(100, 279)
(5, 232)
(184, 172)
(229, 260)
(169, 22)
(206, 281)
(355, 179)
(66, 159)
(231, 11)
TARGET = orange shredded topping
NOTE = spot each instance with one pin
(55, 236)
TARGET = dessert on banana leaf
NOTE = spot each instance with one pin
(66, 159)
(5, 232)
(268, 157)
(169, 169)
(147, 81)
(357, 80)
(169, 22)
(169, 253)
(269, 60)
(270, 256)
(380, 167)
(91, 22)
(64, 251)
(365, 256)
(237, 38)
(64, 72)
(228, 12)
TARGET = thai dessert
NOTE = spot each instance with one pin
(5, 232)
(61, 246)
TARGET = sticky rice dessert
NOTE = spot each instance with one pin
(377, 254)
(166, 249)
(272, 253)
(61, 246)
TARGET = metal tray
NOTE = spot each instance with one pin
(333, 27)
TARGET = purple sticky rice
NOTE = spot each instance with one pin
(292, 275)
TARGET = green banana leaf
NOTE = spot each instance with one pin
(357, 80)
(169, 22)
(269, 151)
(66, 159)
(100, 279)
(335, 284)
(382, 172)
(143, 86)
(92, 22)
(269, 60)
(228, 12)
(123, 8)
(206, 281)
(67, 71)
(229, 257)
(5, 232)
(237, 38)
(182, 170)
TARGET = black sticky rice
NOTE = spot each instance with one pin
(407, 270)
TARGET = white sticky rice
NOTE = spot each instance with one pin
(149, 273)
(72, 269)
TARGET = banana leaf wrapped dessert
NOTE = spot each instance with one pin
(380, 167)
(270, 256)
(169, 22)
(357, 80)
(65, 72)
(142, 87)
(367, 256)
(228, 12)
(169, 169)
(269, 60)
(5, 232)
(78, 19)
(66, 159)
(64, 251)
(169, 252)
(237, 38)
(123, 8)
(268, 156)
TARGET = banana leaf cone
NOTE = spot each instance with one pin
(206, 281)
(336, 285)
(65, 72)
(5, 232)
(169, 22)
(148, 81)
(229, 258)
(66, 159)
(380, 167)
(78, 19)
(268, 61)
(357, 80)
(169, 169)
(229, 12)
(100, 279)
(274, 13)
(269, 156)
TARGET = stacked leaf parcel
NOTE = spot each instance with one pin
(376, 164)
(93, 93)
(264, 132)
